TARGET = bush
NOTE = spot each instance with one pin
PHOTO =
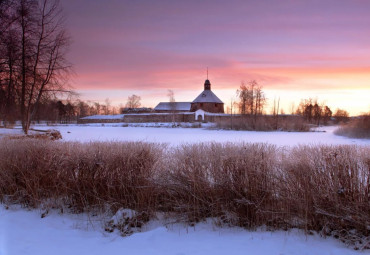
(356, 128)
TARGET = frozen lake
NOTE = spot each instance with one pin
(176, 136)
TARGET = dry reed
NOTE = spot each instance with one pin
(322, 188)
(264, 123)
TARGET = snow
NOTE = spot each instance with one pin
(176, 136)
(220, 114)
(160, 113)
(123, 213)
(15, 131)
(207, 96)
(177, 106)
(25, 232)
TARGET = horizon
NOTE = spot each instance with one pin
(295, 50)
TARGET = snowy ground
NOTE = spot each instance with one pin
(175, 136)
(25, 232)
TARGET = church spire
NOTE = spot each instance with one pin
(207, 83)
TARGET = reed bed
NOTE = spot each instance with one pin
(320, 188)
(290, 123)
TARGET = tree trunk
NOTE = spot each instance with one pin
(23, 92)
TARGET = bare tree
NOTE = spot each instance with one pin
(316, 112)
(275, 112)
(327, 114)
(8, 75)
(37, 67)
(114, 110)
(9, 53)
(341, 115)
(107, 106)
(251, 98)
(305, 108)
(133, 101)
(313, 111)
(97, 108)
(83, 109)
(232, 105)
(260, 100)
(243, 95)
(171, 97)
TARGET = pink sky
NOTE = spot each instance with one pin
(295, 49)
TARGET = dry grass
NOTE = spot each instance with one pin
(322, 188)
(356, 128)
(49, 134)
(83, 175)
(265, 123)
(328, 187)
(227, 181)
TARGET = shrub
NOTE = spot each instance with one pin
(356, 128)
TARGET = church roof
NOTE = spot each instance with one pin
(177, 106)
(207, 96)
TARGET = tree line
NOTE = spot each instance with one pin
(251, 102)
(68, 111)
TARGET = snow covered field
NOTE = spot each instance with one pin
(25, 232)
(175, 136)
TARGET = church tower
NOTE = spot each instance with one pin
(207, 100)
(207, 85)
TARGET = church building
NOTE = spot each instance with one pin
(206, 101)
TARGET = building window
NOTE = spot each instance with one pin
(201, 104)
(215, 105)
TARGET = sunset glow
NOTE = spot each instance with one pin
(294, 49)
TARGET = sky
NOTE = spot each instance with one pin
(294, 49)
